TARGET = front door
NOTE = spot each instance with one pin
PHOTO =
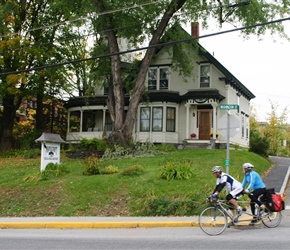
(204, 124)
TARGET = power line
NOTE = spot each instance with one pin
(103, 31)
(83, 18)
(144, 48)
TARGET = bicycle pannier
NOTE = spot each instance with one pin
(273, 201)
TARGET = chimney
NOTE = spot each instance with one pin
(195, 30)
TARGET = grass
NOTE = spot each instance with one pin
(74, 194)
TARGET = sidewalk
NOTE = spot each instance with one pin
(277, 178)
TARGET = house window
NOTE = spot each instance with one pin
(145, 119)
(152, 79)
(158, 78)
(164, 76)
(204, 75)
(157, 116)
(156, 119)
(170, 120)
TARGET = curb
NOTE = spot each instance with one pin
(78, 225)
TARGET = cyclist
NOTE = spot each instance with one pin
(231, 184)
(255, 188)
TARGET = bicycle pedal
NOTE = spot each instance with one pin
(244, 209)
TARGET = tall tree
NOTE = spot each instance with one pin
(28, 32)
(135, 21)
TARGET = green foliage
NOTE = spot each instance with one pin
(135, 150)
(54, 170)
(259, 145)
(133, 170)
(93, 144)
(51, 171)
(165, 147)
(176, 170)
(110, 169)
(91, 165)
(32, 153)
(166, 207)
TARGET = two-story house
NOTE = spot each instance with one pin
(177, 108)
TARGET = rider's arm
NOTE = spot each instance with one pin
(219, 188)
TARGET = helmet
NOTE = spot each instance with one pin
(248, 166)
(216, 169)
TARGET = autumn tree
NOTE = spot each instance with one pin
(28, 32)
(276, 129)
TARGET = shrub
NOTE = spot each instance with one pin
(166, 207)
(110, 169)
(91, 165)
(93, 144)
(259, 145)
(54, 170)
(176, 170)
(133, 170)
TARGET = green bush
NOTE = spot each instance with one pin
(93, 144)
(110, 169)
(259, 145)
(54, 170)
(133, 170)
(166, 207)
(176, 170)
(91, 165)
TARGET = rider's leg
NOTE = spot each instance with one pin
(254, 198)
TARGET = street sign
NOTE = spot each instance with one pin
(227, 162)
(229, 106)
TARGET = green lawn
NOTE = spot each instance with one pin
(75, 194)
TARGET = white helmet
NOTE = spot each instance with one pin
(216, 169)
(248, 166)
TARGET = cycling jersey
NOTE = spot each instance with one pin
(230, 183)
(254, 180)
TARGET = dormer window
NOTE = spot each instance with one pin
(158, 78)
(204, 75)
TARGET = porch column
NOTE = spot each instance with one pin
(81, 120)
(187, 119)
(68, 121)
(214, 105)
(104, 119)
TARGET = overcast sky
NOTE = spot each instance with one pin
(262, 66)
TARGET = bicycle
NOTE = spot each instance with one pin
(215, 219)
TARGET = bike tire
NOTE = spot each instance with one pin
(212, 221)
(271, 219)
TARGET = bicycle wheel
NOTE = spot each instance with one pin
(212, 221)
(271, 219)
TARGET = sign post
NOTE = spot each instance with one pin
(228, 107)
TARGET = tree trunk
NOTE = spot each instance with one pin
(8, 117)
(123, 128)
(39, 118)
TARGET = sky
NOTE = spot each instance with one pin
(261, 65)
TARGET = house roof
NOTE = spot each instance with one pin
(203, 94)
(90, 101)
